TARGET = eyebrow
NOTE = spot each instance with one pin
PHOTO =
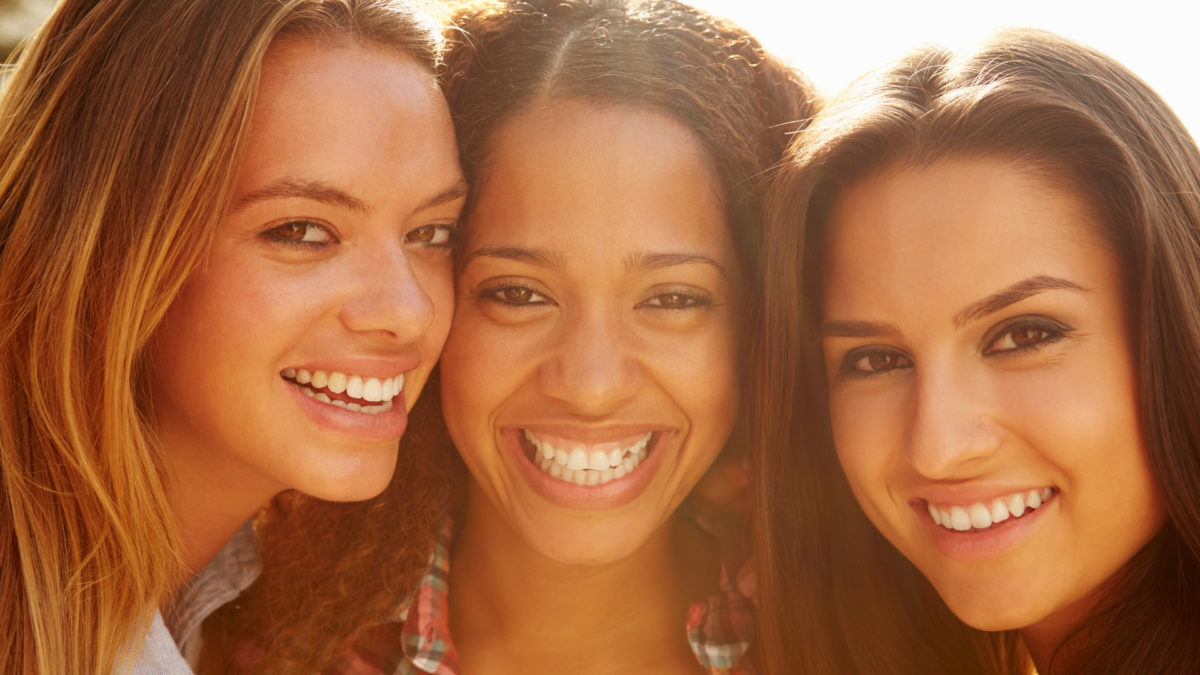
(315, 190)
(320, 191)
(859, 329)
(534, 256)
(656, 261)
(976, 310)
(1011, 295)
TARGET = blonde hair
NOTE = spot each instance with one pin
(121, 129)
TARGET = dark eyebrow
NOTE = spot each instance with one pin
(1013, 294)
(859, 329)
(304, 189)
(534, 256)
(456, 191)
(327, 194)
(654, 261)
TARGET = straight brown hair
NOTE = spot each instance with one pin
(836, 596)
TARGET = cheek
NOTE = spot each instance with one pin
(866, 434)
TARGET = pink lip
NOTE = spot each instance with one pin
(613, 494)
(995, 541)
(384, 426)
(366, 367)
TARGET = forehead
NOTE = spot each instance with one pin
(954, 231)
(570, 173)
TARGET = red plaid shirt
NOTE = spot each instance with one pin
(417, 641)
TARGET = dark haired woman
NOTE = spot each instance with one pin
(1001, 266)
(608, 265)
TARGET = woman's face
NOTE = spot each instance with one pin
(983, 388)
(293, 353)
(590, 378)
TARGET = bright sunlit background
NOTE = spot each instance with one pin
(835, 40)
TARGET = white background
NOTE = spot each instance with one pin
(832, 41)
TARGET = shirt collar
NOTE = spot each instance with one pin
(720, 628)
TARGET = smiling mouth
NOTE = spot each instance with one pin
(356, 393)
(584, 463)
(982, 516)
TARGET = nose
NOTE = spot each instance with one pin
(593, 367)
(384, 295)
(953, 433)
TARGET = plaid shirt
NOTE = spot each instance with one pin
(417, 641)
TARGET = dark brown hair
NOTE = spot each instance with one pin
(705, 73)
(837, 596)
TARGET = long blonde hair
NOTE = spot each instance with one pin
(121, 129)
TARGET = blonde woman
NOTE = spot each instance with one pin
(224, 273)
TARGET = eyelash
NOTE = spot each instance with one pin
(1050, 332)
(276, 235)
(690, 301)
(496, 294)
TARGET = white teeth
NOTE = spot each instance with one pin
(577, 460)
(999, 511)
(319, 379)
(1016, 505)
(980, 516)
(959, 519)
(337, 382)
(587, 467)
(369, 390)
(598, 460)
(349, 405)
(372, 390)
(1033, 499)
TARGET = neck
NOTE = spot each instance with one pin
(209, 505)
(515, 610)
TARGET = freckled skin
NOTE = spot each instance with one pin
(372, 124)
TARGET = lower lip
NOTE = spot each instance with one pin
(610, 495)
(384, 426)
(975, 545)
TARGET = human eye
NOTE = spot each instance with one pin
(441, 235)
(677, 300)
(1024, 334)
(300, 233)
(513, 294)
(873, 360)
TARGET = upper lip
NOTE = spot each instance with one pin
(592, 434)
(965, 495)
(366, 367)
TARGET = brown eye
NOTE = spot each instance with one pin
(300, 232)
(881, 361)
(514, 296)
(517, 295)
(430, 235)
(875, 362)
(1026, 335)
